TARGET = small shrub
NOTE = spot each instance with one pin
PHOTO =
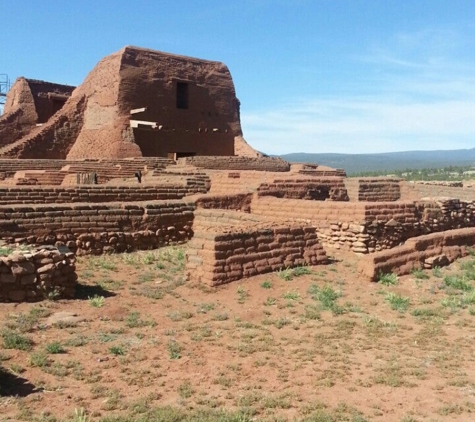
(96, 301)
(39, 360)
(458, 283)
(298, 271)
(185, 390)
(12, 340)
(55, 348)
(266, 284)
(388, 279)
(397, 302)
(419, 274)
(285, 274)
(174, 349)
(117, 350)
(437, 272)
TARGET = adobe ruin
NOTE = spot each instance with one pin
(134, 103)
(67, 180)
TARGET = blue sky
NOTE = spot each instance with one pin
(351, 76)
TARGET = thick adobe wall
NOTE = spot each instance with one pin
(37, 274)
(19, 116)
(237, 245)
(435, 249)
(236, 202)
(98, 228)
(271, 164)
(190, 104)
(318, 189)
(366, 227)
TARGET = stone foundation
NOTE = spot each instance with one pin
(42, 273)
(419, 252)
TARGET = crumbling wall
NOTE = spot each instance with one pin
(171, 222)
(415, 191)
(29, 276)
(321, 189)
(237, 202)
(419, 252)
(273, 164)
(238, 245)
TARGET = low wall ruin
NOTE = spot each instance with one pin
(228, 246)
(331, 188)
(272, 164)
(171, 221)
(42, 273)
(419, 252)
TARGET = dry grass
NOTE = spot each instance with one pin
(316, 345)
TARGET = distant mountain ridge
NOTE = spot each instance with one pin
(357, 163)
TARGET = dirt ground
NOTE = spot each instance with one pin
(313, 344)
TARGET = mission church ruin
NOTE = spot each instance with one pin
(134, 103)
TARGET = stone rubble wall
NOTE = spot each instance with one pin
(331, 188)
(228, 246)
(236, 163)
(366, 227)
(170, 221)
(427, 251)
(29, 276)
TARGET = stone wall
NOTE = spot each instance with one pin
(419, 252)
(331, 188)
(171, 221)
(228, 246)
(237, 163)
(37, 274)
(237, 202)
(366, 227)
(379, 190)
(94, 193)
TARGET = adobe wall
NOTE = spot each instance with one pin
(237, 202)
(419, 252)
(366, 227)
(29, 276)
(272, 164)
(91, 194)
(138, 225)
(237, 245)
(319, 189)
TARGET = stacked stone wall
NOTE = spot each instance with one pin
(331, 188)
(29, 276)
(237, 202)
(237, 245)
(236, 163)
(379, 190)
(419, 252)
(162, 223)
(92, 194)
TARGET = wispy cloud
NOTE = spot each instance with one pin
(421, 96)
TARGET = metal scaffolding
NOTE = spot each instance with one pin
(4, 87)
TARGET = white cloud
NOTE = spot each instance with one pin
(423, 99)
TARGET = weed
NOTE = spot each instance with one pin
(299, 271)
(179, 315)
(5, 251)
(397, 302)
(204, 308)
(291, 295)
(437, 272)
(55, 348)
(419, 274)
(39, 360)
(117, 350)
(185, 390)
(133, 320)
(270, 301)
(174, 349)
(242, 294)
(96, 301)
(285, 274)
(266, 284)
(12, 340)
(387, 279)
(80, 415)
(458, 283)
(221, 316)
(326, 296)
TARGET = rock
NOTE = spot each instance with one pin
(22, 268)
(64, 317)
